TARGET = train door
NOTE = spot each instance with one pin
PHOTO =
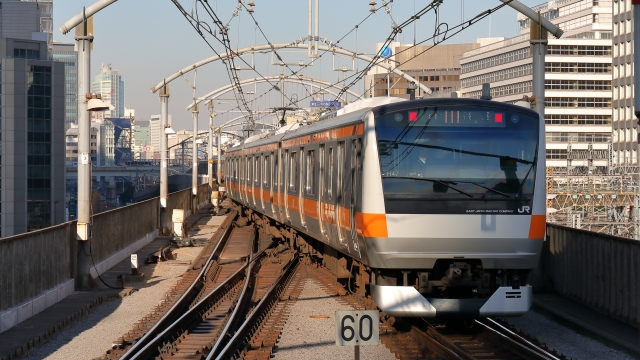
(243, 175)
(322, 190)
(341, 200)
(356, 165)
(303, 174)
(280, 190)
(287, 178)
(264, 181)
(273, 179)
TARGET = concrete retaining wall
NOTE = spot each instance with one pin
(204, 195)
(597, 270)
(35, 262)
(117, 229)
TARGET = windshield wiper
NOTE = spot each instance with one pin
(525, 178)
(445, 183)
(484, 187)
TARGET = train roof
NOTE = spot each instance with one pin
(358, 112)
(450, 101)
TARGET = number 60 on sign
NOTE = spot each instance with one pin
(357, 327)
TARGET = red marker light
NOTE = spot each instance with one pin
(413, 116)
(497, 117)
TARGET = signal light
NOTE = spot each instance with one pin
(413, 116)
(497, 117)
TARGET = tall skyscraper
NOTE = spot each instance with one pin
(110, 86)
(67, 54)
(32, 137)
(625, 127)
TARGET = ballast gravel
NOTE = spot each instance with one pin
(565, 341)
(307, 337)
(92, 336)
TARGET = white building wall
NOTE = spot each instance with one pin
(577, 79)
(625, 127)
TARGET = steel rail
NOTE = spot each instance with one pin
(524, 347)
(253, 318)
(185, 297)
(151, 347)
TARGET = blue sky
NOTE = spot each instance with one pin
(148, 40)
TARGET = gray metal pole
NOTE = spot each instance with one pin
(194, 159)
(538, 51)
(164, 119)
(219, 154)
(210, 147)
(84, 157)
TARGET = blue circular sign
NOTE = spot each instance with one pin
(386, 52)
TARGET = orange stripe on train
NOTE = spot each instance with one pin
(538, 226)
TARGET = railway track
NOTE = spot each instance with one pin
(179, 296)
(240, 297)
(235, 285)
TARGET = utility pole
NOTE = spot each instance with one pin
(538, 42)
(210, 147)
(164, 119)
(83, 44)
(219, 154)
(194, 158)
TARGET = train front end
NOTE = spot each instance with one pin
(453, 207)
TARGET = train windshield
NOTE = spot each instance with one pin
(485, 155)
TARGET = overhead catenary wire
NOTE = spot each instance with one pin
(334, 44)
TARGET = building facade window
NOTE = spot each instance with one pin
(39, 147)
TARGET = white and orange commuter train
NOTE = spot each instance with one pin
(435, 207)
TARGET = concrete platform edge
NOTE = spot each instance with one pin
(594, 331)
(14, 316)
(116, 258)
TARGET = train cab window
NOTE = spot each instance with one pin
(310, 172)
(330, 174)
(293, 172)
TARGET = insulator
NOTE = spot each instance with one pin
(251, 3)
(372, 3)
(250, 9)
(373, 8)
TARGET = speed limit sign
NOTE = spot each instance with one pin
(357, 327)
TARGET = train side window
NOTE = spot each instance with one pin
(256, 170)
(283, 175)
(249, 167)
(274, 176)
(266, 172)
(341, 164)
(310, 172)
(293, 171)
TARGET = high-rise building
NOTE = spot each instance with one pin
(32, 136)
(45, 8)
(21, 20)
(67, 54)
(156, 132)
(625, 127)
(142, 134)
(437, 68)
(577, 79)
(110, 86)
(72, 145)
